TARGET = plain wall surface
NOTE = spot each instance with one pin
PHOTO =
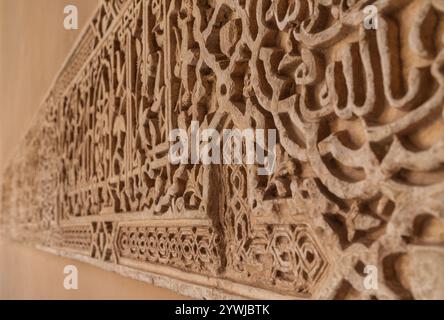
(28, 273)
(33, 47)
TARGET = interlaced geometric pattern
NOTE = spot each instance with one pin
(359, 177)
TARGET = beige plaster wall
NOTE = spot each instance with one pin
(33, 46)
(27, 273)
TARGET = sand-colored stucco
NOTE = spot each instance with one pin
(33, 46)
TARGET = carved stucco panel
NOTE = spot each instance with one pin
(359, 176)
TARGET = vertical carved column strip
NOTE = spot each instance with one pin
(358, 178)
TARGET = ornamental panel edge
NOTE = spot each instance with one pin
(358, 180)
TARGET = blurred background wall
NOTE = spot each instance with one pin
(33, 46)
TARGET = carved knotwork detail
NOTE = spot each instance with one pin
(359, 162)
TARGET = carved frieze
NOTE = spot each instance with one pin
(359, 175)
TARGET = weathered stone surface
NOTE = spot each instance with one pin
(359, 179)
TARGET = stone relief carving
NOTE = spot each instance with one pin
(359, 178)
